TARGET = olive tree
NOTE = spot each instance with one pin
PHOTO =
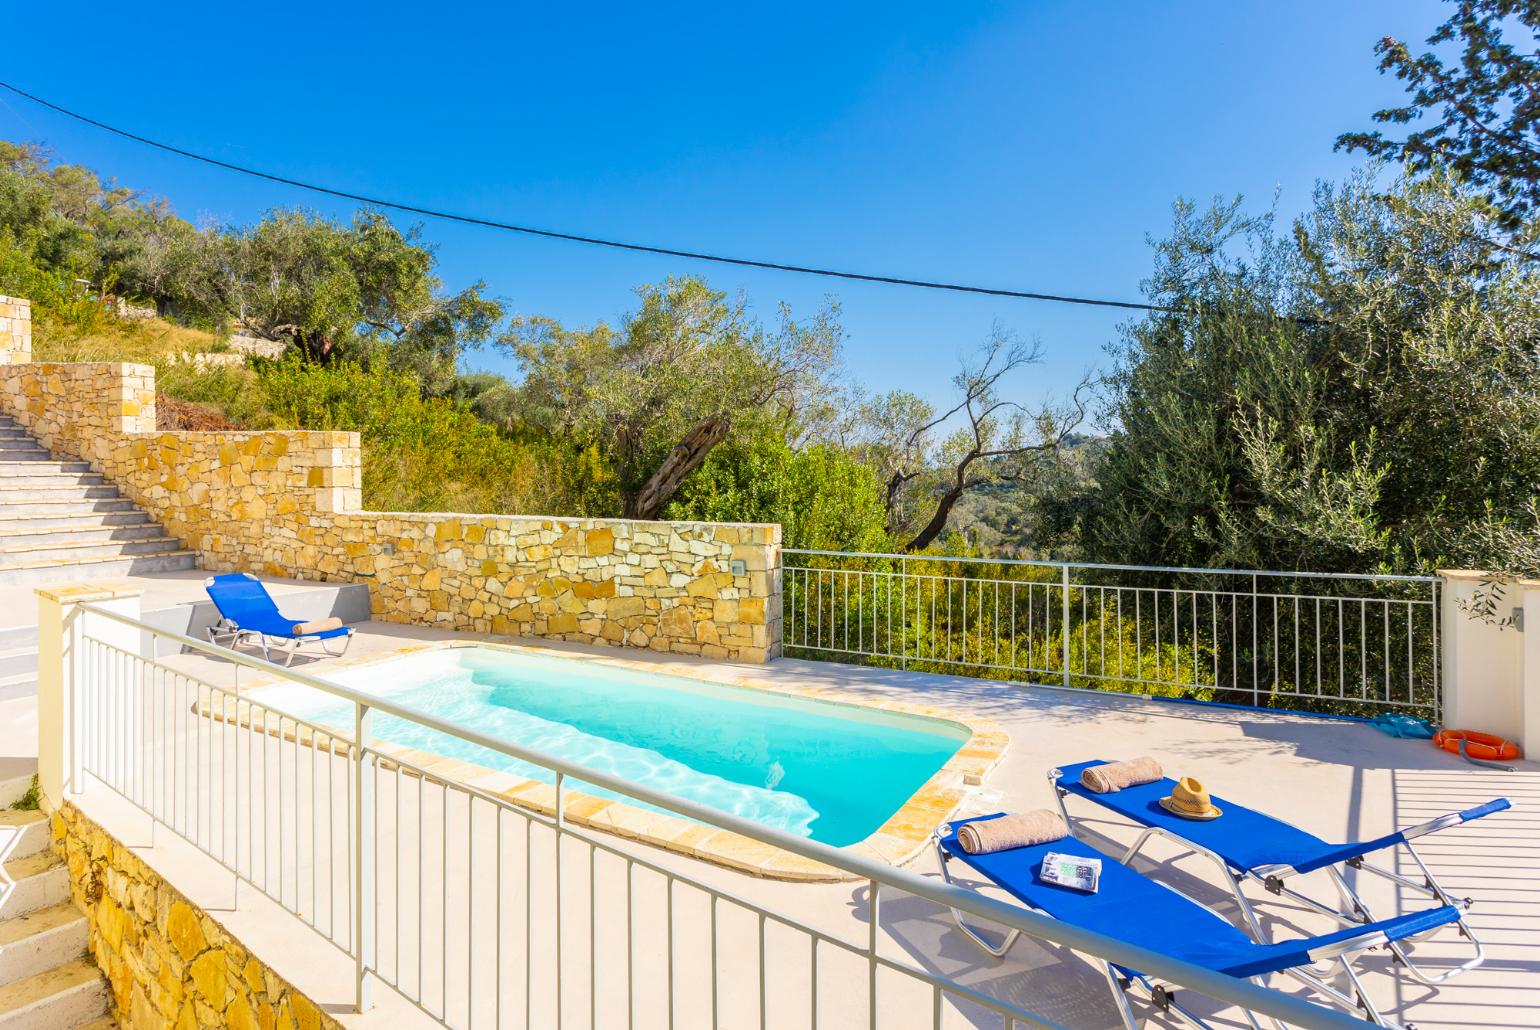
(658, 393)
(1474, 110)
(930, 459)
(1361, 393)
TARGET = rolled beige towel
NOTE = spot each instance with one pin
(1012, 831)
(1104, 779)
(318, 626)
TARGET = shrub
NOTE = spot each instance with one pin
(824, 498)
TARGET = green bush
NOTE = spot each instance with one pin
(420, 454)
(822, 497)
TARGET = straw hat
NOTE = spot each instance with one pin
(1189, 799)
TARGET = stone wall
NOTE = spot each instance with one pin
(15, 330)
(171, 967)
(289, 504)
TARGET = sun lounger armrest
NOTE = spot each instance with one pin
(1386, 931)
(1364, 941)
(1443, 822)
(1347, 852)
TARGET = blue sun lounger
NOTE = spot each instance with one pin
(1136, 909)
(248, 614)
(1250, 845)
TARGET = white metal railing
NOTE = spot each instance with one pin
(1346, 644)
(486, 914)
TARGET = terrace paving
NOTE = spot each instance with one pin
(1339, 779)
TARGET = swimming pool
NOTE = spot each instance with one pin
(832, 772)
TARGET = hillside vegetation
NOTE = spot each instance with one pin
(1358, 391)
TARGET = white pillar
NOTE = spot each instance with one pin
(1529, 698)
(61, 625)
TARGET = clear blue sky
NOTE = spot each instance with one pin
(1029, 145)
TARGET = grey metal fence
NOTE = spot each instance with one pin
(1344, 644)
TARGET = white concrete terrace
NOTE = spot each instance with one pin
(1338, 779)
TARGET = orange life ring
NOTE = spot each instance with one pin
(1484, 747)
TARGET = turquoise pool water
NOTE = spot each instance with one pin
(831, 772)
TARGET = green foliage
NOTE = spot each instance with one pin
(823, 498)
(1484, 106)
(364, 289)
(62, 307)
(421, 454)
(235, 392)
(931, 462)
(680, 375)
(1361, 394)
(30, 801)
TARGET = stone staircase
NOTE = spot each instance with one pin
(61, 521)
(47, 981)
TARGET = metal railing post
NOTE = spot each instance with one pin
(363, 864)
(561, 827)
(1064, 620)
(1435, 670)
(1256, 614)
(872, 887)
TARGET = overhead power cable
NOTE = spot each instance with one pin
(553, 234)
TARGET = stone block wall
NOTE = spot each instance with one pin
(289, 504)
(171, 967)
(15, 330)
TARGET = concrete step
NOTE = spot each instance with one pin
(80, 535)
(17, 495)
(18, 661)
(11, 514)
(65, 549)
(40, 941)
(21, 685)
(31, 467)
(24, 454)
(41, 882)
(12, 478)
(131, 565)
(15, 787)
(31, 829)
(59, 999)
(104, 1023)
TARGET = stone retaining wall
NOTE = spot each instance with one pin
(15, 330)
(171, 967)
(289, 503)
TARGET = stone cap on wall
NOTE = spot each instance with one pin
(83, 593)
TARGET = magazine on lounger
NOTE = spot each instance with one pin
(1072, 871)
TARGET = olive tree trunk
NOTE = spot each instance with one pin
(687, 456)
